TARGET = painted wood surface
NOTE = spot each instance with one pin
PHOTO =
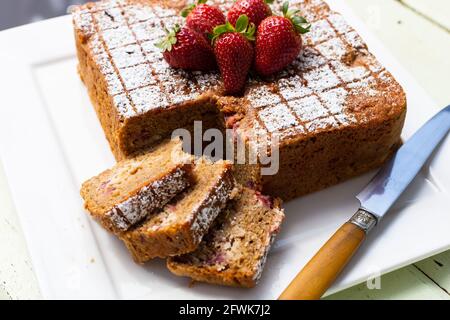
(417, 34)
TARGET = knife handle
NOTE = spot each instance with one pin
(321, 271)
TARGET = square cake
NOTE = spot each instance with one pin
(336, 111)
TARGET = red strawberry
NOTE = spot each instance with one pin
(234, 53)
(187, 49)
(256, 10)
(202, 17)
(278, 41)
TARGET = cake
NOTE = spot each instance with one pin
(234, 251)
(124, 195)
(334, 113)
(182, 223)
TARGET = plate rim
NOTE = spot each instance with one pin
(17, 61)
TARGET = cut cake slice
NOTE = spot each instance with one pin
(180, 226)
(122, 196)
(234, 252)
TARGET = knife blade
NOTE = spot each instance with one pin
(390, 182)
(375, 201)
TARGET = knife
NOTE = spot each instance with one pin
(375, 201)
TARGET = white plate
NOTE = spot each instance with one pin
(51, 141)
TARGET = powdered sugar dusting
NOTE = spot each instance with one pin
(139, 13)
(104, 63)
(127, 56)
(260, 96)
(355, 40)
(148, 98)
(109, 18)
(277, 118)
(83, 22)
(114, 84)
(208, 210)
(124, 50)
(145, 31)
(151, 197)
(339, 24)
(123, 105)
(349, 74)
(137, 76)
(125, 32)
(309, 108)
(334, 100)
(293, 88)
(118, 37)
(322, 124)
(321, 79)
(320, 31)
(333, 49)
(96, 46)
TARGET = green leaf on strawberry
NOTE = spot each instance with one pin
(242, 26)
(185, 12)
(301, 25)
(169, 40)
(241, 23)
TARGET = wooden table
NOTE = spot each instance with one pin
(417, 32)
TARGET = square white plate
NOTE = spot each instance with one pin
(51, 141)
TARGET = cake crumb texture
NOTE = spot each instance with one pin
(234, 251)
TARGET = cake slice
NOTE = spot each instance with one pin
(122, 196)
(234, 252)
(180, 226)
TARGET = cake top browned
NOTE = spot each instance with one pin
(335, 82)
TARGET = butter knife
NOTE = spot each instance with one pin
(375, 201)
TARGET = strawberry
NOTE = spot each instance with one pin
(202, 17)
(187, 49)
(278, 41)
(255, 10)
(234, 53)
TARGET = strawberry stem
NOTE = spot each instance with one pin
(301, 25)
(169, 40)
(242, 26)
(185, 12)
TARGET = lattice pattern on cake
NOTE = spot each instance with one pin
(312, 94)
(308, 96)
(121, 37)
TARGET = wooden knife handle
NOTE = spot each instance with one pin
(321, 271)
